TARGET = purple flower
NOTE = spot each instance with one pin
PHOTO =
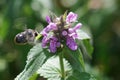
(77, 26)
(54, 38)
(48, 19)
(43, 32)
(45, 40)
(53, 44)
(59, 30)
(64, 33)
(51, 26)
(71, 17)
(72, 31)
(58, 44)
(47, 37)
(70, 42)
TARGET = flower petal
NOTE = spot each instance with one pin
(71, 30)
(43, 32)
(71, 43)
(53, 46)
(64, 33)
(77, 26)
(58, 44)
(51, 26)
(45, 40)
(71, 17)
(48, 19)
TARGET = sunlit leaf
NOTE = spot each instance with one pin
(82, 35)
(36, 57)
(51, 69)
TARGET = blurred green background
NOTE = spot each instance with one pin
(100, 17)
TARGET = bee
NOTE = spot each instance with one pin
(27, 36)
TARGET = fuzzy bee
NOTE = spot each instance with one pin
(28, 36)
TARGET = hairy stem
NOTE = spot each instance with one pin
(62, 65)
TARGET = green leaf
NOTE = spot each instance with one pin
(86, 47)
(82, 35)
(85, 43)
(36, 57)
(75, 58)
(81, 76)
(51, 69)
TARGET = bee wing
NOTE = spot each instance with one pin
(52, 15)
(20, 24)
(39, 27)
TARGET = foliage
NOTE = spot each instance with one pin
(35, 59)
(100, 17)
(36, 64)
(53, 71)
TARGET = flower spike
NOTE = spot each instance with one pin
(59, 32)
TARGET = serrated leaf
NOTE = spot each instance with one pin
(82, 35)
(51, 69)
(75, 58)
(81, 76)
(36, 57)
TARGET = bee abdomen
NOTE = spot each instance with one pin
(20, 39)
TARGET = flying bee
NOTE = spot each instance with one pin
(28, 36)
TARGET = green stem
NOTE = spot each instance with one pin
(62, 65)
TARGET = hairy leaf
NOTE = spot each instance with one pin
(36, 57)
(51, 69)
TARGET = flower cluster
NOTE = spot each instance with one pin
(59, 31)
